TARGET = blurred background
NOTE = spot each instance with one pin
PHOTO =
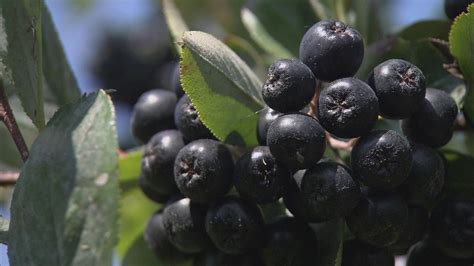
(123, 45)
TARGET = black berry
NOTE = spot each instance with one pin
(297, 140)
(357, 253)
(259, 177)
(203, 170)
(295, 201)
(158, 161)
(348, 108)
(332, 50)
(330, 191)
(412, 231)
(153, 113)
(183, 221)
(188, 122)
(433, 123)
(235, 225)
(265, 119)
(400, 88)
(216, 257)
(426, 253)
(290, 85)
(382, 159)
(454, 8)
(152, 194)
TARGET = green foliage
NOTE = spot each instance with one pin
(129, 169)
(426, 29)
(459, 178)
(4, 225)
(65, 203)
(175, 22)
(223, 88)
(461, 39)
(21, 52)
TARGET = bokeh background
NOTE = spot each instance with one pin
(124, 45)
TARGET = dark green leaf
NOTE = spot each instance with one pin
(330, 242)
(367, 20)
(175, 22)
(461, 39)
(253, 58)
(135, 211)
(57, 72)
(224, 90)
(459, 180)
(21, 52)
(4, 224)
(65, 205)
(426, 29)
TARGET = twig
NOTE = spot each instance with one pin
(6, 115)
(8, 178)
(313, 105)
(339, 144)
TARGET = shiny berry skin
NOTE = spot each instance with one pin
(297, 140)
(454, 8)
(203, 170)
(150, 193)
(358, 253)
(259, 177)
(433, 123)
(153, 113)
(332, 50)
(265, 118)
(400, 87)
(183, 221)
(412, 232)
(348, 108)
(330, 191)
(290, 86)
(452, 227)
(188, 122)
(235, 225)
(381, 159)
(158, 161)
(295, 201)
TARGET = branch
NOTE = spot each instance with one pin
(313, 105)
(8, 178)
(339, 144)
(6, 116)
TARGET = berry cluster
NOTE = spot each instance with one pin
(390, 194)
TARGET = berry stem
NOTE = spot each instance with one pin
(8, 178)
(339, 144)
(313, 105)
(6, 115)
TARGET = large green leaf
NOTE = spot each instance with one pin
(65, 205)
(57, 72)
(459, 179)
(175, 22)
(4, 225)
(136, 209)
(330, 242)
(461, 39)
(21, 52)
(260, 35)
(224, 90)
(129, 169)
(438, 29)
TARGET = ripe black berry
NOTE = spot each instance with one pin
(297, 140)
(332, 50)
(183, 221)
(452, 227)
(152, 194)
(382, 159)
(259, 177)
(158, 161)
(357, 253)
(188, 122)
(295, 201)
(379, 219)
(155, 236)
(235, 225)
(330, 191)
(265, 119)
(290, 85)
(400, 88)
(425, 183)
(289, 242)
(453, 8)
(153, 113)
(412, 231)
(203, 170)
(426, 253)
(348, 108)
(216, 257)
(433, 123)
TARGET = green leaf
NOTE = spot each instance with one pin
(4, 225)
(224, 90)
(21, 52)
(129, 169)
(330, 242)
(253, 58)
(321, 10)
(459, 181)
(135, 211)
(367, 20)
(57, 72)
(461, 39)
(260, 35)
(65, 205)
(175, 22)
(426, 29)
